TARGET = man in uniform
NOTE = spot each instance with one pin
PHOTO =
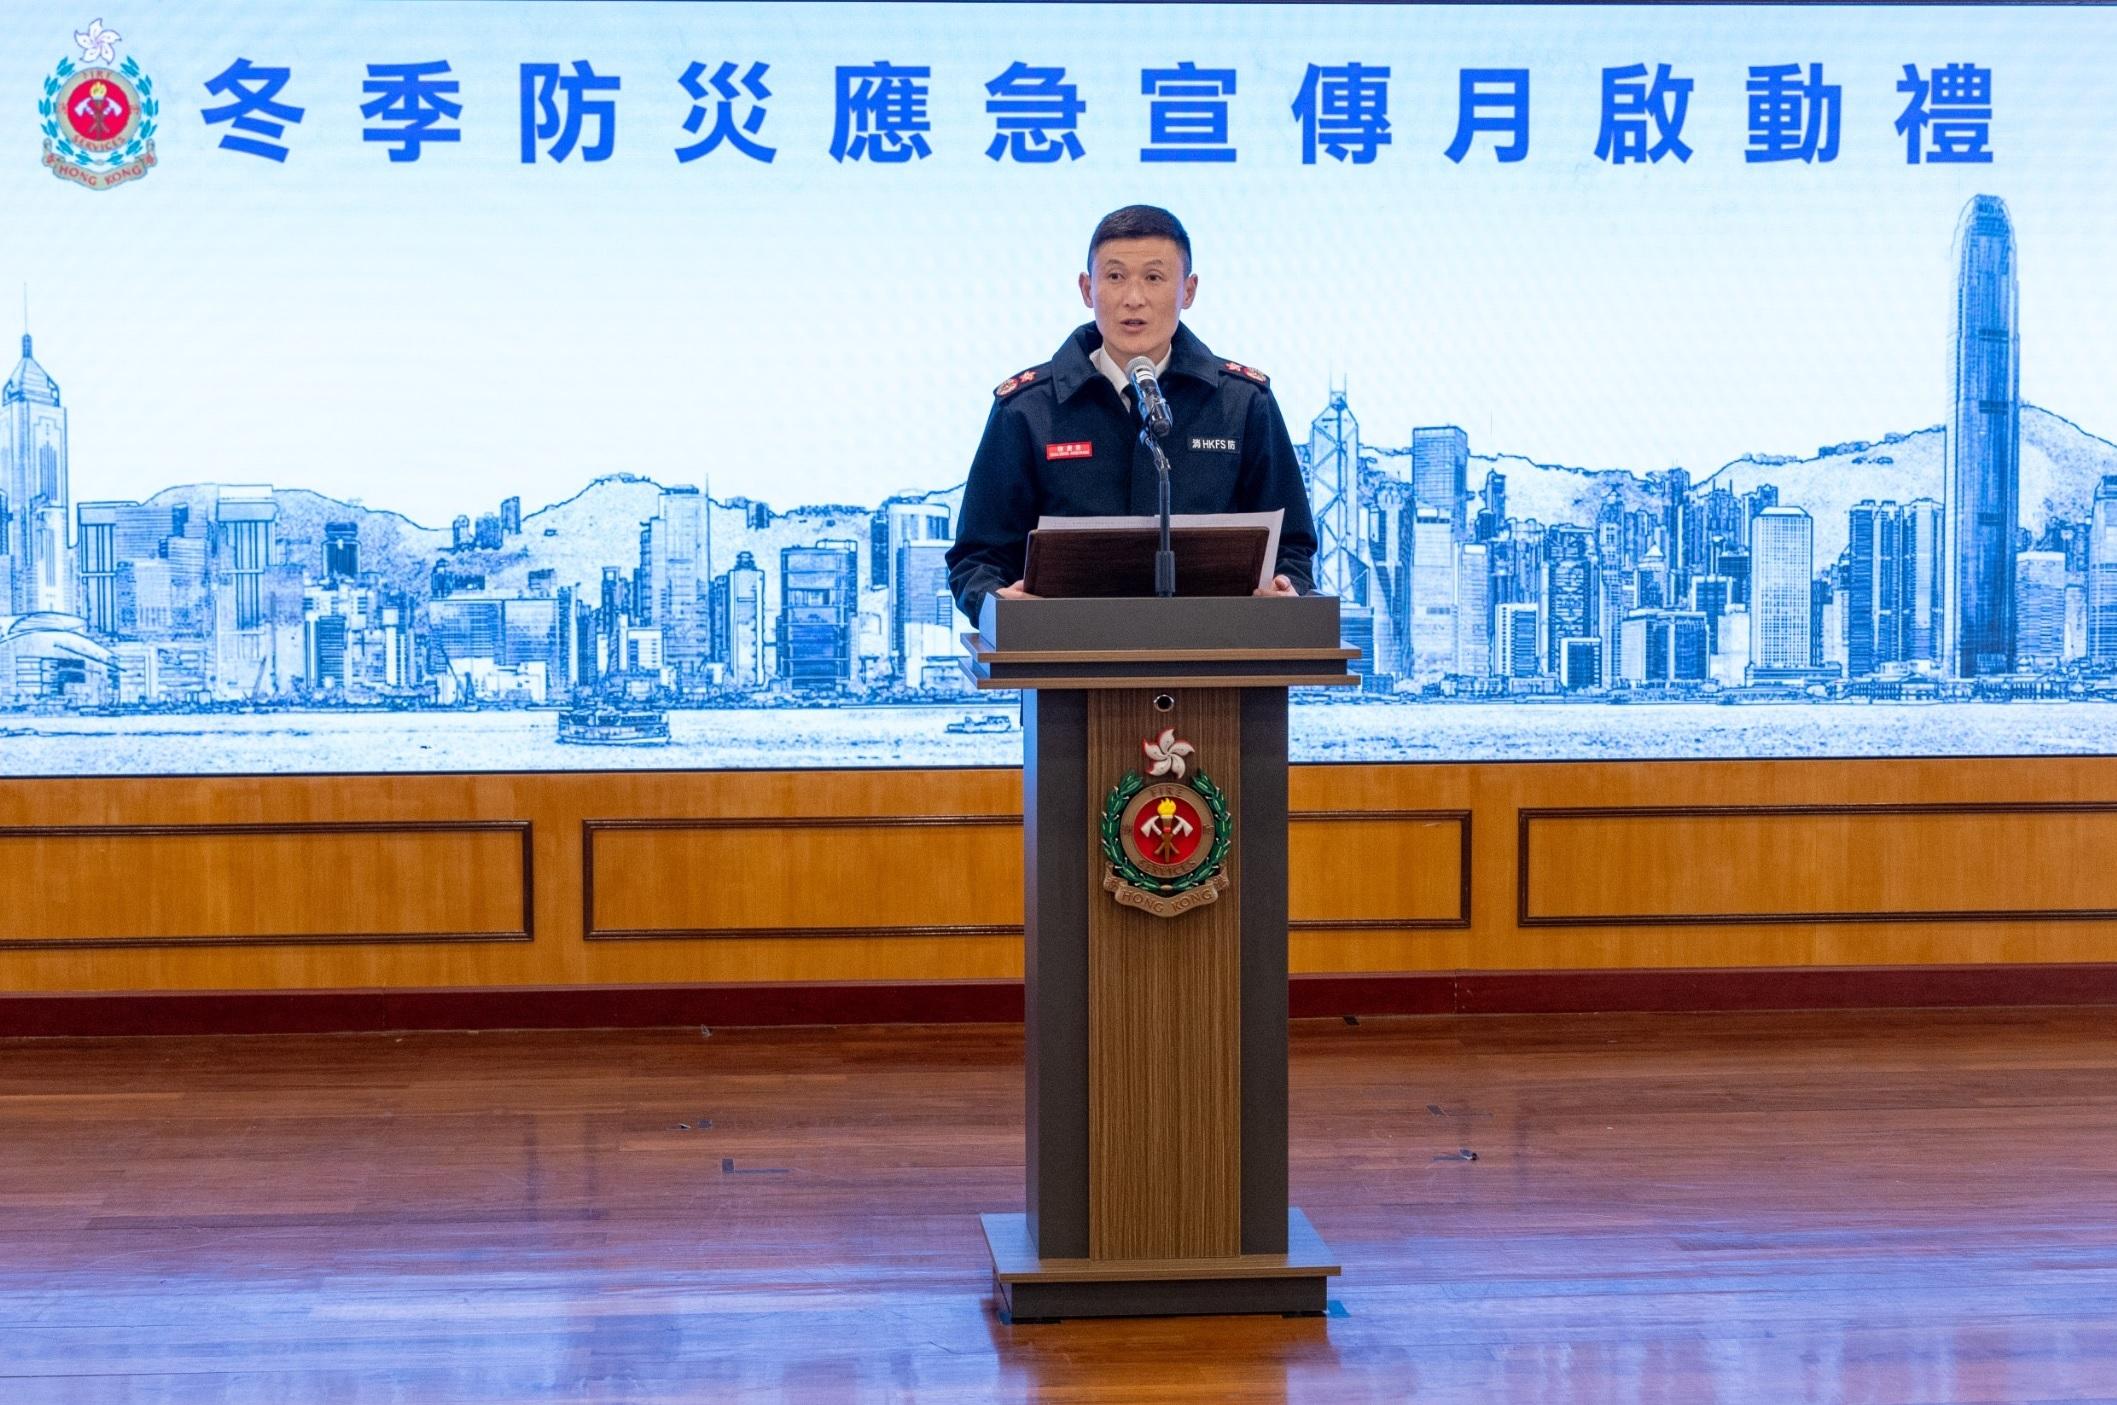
(1063, 437)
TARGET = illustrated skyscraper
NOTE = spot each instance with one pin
(1891, 595)
(1678, 546)
(739, 625)
(257, 604)
(2040, 608)
(1515, 639)
(1392, 519)
(1783, 541)
(672, 560)
(497, 644)
(1665, 646)
(341, 551)
(1492, 517)
(818, 597)
(37, 564)
(898, 524)
(1872, 578)
(1983, 482)
(1473, 611)
(1927, 605)
(97, 556)
(1570, 592)
(1433, 592)
(356, 638)
(2102, 576)
(921, 612)
(1440, 472)
(1334, 498)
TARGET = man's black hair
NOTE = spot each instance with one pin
(1140, 222)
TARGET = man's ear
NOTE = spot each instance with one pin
(1088, 296)
(1190, 290)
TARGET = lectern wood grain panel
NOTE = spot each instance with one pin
(1155, 987)
(1164, 1020)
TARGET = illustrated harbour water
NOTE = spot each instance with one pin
(1364, 733)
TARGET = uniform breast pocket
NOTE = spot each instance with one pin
(1088, 486)
(1207, 471)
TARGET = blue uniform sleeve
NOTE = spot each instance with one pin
(1271, 478)
(999, 509)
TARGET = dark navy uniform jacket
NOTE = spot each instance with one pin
(1061, 442)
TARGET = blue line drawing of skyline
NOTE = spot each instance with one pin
(219, 595)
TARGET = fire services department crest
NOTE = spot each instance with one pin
(1166, 832)
(99, 114)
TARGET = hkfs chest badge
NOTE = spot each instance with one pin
(99, 118)
(1166, 841)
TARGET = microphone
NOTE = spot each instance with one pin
(1153, 408)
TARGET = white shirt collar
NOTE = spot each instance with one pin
(1115, 374)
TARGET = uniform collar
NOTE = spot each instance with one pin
(1071, 368)
(1115, 374)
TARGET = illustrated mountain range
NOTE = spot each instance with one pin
(2060, 466)
(600, 525)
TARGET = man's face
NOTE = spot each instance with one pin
(1138, 290)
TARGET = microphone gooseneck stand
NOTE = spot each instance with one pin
(1165, 558)
(1154, 422)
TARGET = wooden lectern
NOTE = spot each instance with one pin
(1156, 1044)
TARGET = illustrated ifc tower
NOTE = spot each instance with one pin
(1983, 485)
(1154, 797)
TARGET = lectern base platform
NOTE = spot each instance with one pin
(1029, 1288)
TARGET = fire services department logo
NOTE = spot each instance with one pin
(98, 119)
(1166, 841)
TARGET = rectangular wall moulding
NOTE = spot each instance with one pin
(960, 875)
(1719, 865)
(1378, 870)
(802, 876)
(292, 884)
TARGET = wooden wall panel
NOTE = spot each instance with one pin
(287, 884)
(1378, 870)
(1703, 866)
(803, 876)
(1380, 892)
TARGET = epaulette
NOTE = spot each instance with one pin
(1019, 380)
(1238, 369)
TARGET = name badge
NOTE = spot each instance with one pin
(1078, 449)
(1213, 446)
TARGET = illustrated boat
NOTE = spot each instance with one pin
(605, 724)
(984, 722)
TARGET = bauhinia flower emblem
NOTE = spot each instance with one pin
(1165, 841)
(1165, 754)
(98, 45)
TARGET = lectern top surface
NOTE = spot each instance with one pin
(1249, 624)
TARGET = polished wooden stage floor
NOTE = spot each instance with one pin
(1902, 1207)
